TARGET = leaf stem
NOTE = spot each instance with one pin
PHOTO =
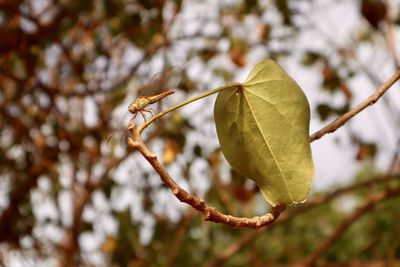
(208, 93)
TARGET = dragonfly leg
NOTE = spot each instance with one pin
(141, 113)
(149, 110)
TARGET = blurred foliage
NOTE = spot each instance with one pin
(70, 196)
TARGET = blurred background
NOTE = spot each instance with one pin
(73, 194)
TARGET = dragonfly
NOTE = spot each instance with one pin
(154, 91)
(150, 93)
(140, 105)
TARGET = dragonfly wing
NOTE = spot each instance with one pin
(167, 78)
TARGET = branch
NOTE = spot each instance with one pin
(339, 122)
(346, 223)
(210, 213)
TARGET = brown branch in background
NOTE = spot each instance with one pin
(390, 36)
(214, 162)
(234, 248)
(339, 122)
(23, 180)
(19, 195)
(328, 197)
(394, 165)
(180, 232)
(349, 53)
(82, 196)
(347, 222)
(210, 213)
(391, 42)
(300, 210)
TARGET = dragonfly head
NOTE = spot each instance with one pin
(132, 108)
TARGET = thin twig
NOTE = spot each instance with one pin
(210, 213)
(339, 122)
(346, 223)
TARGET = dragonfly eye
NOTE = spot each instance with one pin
(131, 109)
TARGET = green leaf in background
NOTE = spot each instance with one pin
(263, 129)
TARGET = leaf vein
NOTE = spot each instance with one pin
(269, 148)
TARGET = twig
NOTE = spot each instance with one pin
(210, 213)
(346, 223)
(336, 124)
